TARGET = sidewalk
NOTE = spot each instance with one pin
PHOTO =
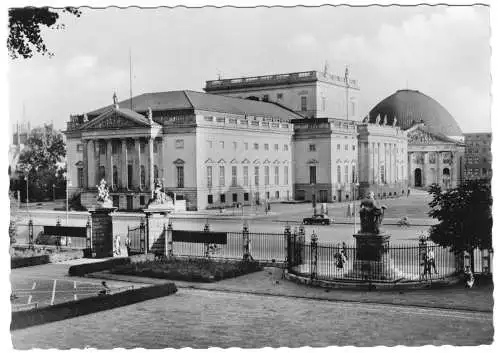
(269, 282)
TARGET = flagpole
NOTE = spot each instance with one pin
(347, 92)
(130, 74)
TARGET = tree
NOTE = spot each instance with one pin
(464, 215)
(25, 26)
(41, 161)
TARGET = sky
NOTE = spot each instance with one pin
(442, 51)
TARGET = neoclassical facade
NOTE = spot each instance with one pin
(267, 138)
(207, 151)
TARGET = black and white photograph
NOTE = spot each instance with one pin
(249, 175)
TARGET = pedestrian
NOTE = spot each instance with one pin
(469, 277)
(348, 210)
(105, 290)
(408, 193)
(344, 249)
(339, 260)
(431, 261)
(117, 245)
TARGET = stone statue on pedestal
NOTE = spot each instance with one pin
(371, 215)
(103, 195)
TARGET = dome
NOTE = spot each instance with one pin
(410, 107)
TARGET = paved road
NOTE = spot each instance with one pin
(200, 319)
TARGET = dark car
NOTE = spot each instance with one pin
(318, 219)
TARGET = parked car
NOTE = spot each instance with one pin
(318, 219)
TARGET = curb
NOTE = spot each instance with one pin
(196, 286)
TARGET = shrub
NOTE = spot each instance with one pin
(82, 270)
(189, 269)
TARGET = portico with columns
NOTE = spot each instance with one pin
(434, 158)
(124, 148)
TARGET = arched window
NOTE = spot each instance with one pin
(346, 173)
(354, 179)
(339, 175)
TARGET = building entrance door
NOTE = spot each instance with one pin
(323, 196)
(130, 202)
(130, 170)
(339, 196)
(418, 177)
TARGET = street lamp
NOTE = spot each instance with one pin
(68, 184)
(26, 177)
(54, 192)
(356, 186)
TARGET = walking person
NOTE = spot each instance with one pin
(469, 277)
(349, 213)
(431, 261)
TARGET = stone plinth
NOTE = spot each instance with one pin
(156, 224)
(372, 259)
(102, 232)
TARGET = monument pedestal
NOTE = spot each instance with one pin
(372, 259)
(102, 232)
(156, 228)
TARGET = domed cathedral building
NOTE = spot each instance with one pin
(435, 141)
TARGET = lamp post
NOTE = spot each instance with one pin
(354, 206)
(54, 192)
(68, 184)
(26, 177)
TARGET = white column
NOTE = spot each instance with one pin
(137, 143)
(97, 155)
(85, 164)
(124, 164)
(109, 159)
(151, 165)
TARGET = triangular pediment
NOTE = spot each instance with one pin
(234, 161)
(312, 161)
(117, 119)
(245, 161)
(276, 161)
(418, 135)
(267, 161)
(221, 161)
(179, 161)
(209, 161)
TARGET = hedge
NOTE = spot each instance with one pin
(51, 257)
(189, 269)
(83, 269)
(62, 311)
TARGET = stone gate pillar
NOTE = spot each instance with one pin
(102, 232)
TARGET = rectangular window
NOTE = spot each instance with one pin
(285, 174)
(222, 198)
(276, 147)
(354, 147)
(234, 176)
(312, 147)
(80, 177)
(222, 176)
(209, 176)
(180, 176)
(179, 144)
(116, 201)
(276, 175)
(221, 144)
(79, 147)
(245, 196)
(256, 176)
(346, 147)
(235, 145)
(209, 144)
(285, 148)
(266, 175)
(245, 175)
(303, 103)
(142, 200)
(266, 147)
(338, 146)
(235, 197)
(256, 146)
(210, 199)
(246, 146)
(312, 174)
